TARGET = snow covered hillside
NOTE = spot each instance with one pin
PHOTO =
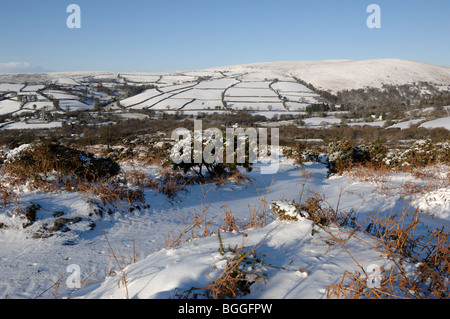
(338, 75)
(261, 88)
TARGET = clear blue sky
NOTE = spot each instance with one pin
(170, 35)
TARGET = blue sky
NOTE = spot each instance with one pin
(171, 35)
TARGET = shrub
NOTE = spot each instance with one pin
(289, 211)
(424, 152)
(168, 183)
(296, 152)
(214, 169)
(243, 267)
(111, 191)
(313, 208)
(421, 153)
(318, 211)
(341, 155)
(41, 162)
(6, 195)
(420, 261)
(375, 152)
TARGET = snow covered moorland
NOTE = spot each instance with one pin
(298, 233)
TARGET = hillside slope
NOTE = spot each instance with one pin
(337, 75)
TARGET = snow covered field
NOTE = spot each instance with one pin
(31, 126)
(9, 106)
(442, 122)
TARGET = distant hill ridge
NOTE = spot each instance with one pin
(338, 75)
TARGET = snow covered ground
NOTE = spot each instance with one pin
(406, 124)
(300, 259)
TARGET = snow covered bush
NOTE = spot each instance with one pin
(2, 157)
(6, 195)
(301, 153)
(47, 162)
(425, 152)
(296, 152)
(313, 208)
(187, 150)
(290, 211)
(168, 183)
(375, 152)
(241, 266)
(341, 155)
(421, 153)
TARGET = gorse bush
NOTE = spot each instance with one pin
(186, 150)
(375, 152)
(421, 153)
(296, 152)
(45, 162)
(342, 155)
